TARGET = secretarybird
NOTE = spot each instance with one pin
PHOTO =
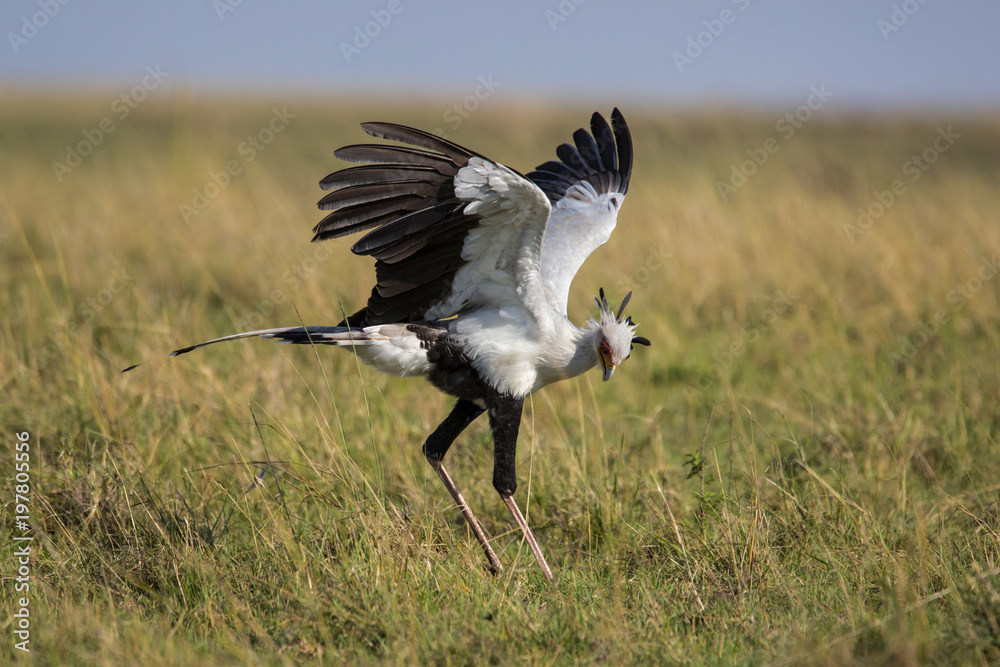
(473, 263)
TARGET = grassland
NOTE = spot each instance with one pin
(803, 469)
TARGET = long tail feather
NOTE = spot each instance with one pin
(297, 335)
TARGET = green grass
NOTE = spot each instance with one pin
(780, 479)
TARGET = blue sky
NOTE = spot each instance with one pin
(869, 53)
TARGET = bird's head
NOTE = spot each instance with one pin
(617, 335)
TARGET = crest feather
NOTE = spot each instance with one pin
(618, 329)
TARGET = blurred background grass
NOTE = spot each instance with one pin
(781, 477)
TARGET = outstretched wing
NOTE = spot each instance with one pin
(586, 187)
(450, 229)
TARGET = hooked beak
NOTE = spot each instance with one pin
(607, 368)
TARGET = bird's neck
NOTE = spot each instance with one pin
(572, 352)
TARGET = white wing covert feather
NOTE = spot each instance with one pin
(580, 223)
(502, 255)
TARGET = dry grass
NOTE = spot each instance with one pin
(781, 478)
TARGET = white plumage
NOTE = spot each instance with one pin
(580, 223)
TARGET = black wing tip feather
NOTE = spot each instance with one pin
(623, 142)
(417, 137)
(403, 196)
(394, 182)
(604, 153)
